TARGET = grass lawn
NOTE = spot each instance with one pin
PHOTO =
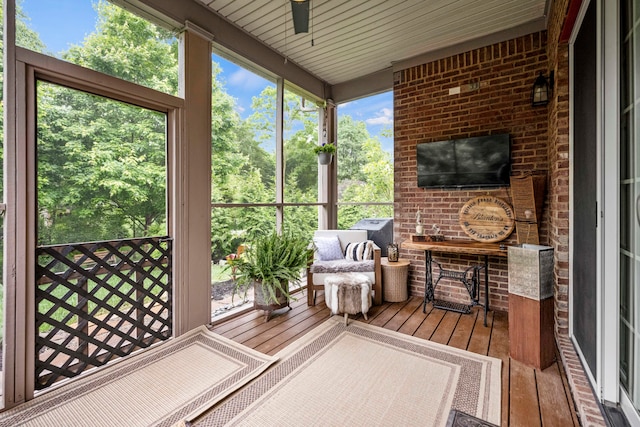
(219, 273)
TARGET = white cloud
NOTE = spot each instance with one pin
(246, 79)
(383, 117)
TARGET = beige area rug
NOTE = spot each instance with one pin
(362, 375)
(160, 386)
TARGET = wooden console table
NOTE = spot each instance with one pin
(458, 246)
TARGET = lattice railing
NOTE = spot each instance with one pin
(99, 301)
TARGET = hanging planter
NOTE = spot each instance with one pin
(325, 153)
(325, 158)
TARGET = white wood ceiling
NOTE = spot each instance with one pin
(355, 38)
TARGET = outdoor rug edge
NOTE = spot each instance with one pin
(172, 381)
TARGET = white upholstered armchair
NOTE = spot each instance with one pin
(333, 263)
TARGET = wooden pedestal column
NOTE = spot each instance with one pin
(531, 339)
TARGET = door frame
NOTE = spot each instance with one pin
(609, 381)
(594, 379)
(29, 67)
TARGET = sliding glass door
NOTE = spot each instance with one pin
(629, 317)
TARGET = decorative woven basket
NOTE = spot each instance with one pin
(394, 280)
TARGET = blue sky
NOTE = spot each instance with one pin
(79, 20)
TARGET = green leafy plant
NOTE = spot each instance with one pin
(272, 261)
(325, 148)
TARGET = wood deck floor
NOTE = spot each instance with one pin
(530, 397)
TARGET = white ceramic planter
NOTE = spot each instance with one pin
(325, 158)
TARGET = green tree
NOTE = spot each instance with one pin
(300, 129)
(131, 48)
(97, 181)
(242, 172)
(102, 163)
(352, 136)
(301, 163)
(100, 181)
(364, 176)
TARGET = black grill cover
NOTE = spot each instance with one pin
(380, 230)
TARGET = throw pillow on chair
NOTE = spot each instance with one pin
(328, 248)
(359, 251)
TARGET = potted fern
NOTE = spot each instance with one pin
(270, 263)
(325, 152)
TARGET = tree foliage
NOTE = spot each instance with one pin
(102, 164)
(130, 48)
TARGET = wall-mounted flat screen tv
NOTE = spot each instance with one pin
(483, 161)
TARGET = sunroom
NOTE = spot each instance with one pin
(127, 162)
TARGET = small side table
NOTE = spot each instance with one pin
(394, 279)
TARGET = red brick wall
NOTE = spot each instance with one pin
(558, 54)
(426, 112)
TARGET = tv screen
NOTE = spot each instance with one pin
(483, 161)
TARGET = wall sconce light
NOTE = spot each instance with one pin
(542, 88)
(300, 13)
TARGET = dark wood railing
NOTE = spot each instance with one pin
(99, 301)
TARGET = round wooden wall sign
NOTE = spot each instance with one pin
(487, 219)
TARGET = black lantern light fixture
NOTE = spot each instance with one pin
(300, 12)
(542, 88)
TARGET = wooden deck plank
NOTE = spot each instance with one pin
(242, 328)
(242, 323)
(253, 322)
(287, 336)
(499, 345)
(428, 327)
(223, 325)
(275, 326)
(523, 396)
(413, 323)
(403, 315)
(499, 348)
(506, 389)
(462, 333)
(445, 329)
(385, 316)
(481, 337)
(554, 408)
(374, 312)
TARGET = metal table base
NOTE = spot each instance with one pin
(470, 278)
